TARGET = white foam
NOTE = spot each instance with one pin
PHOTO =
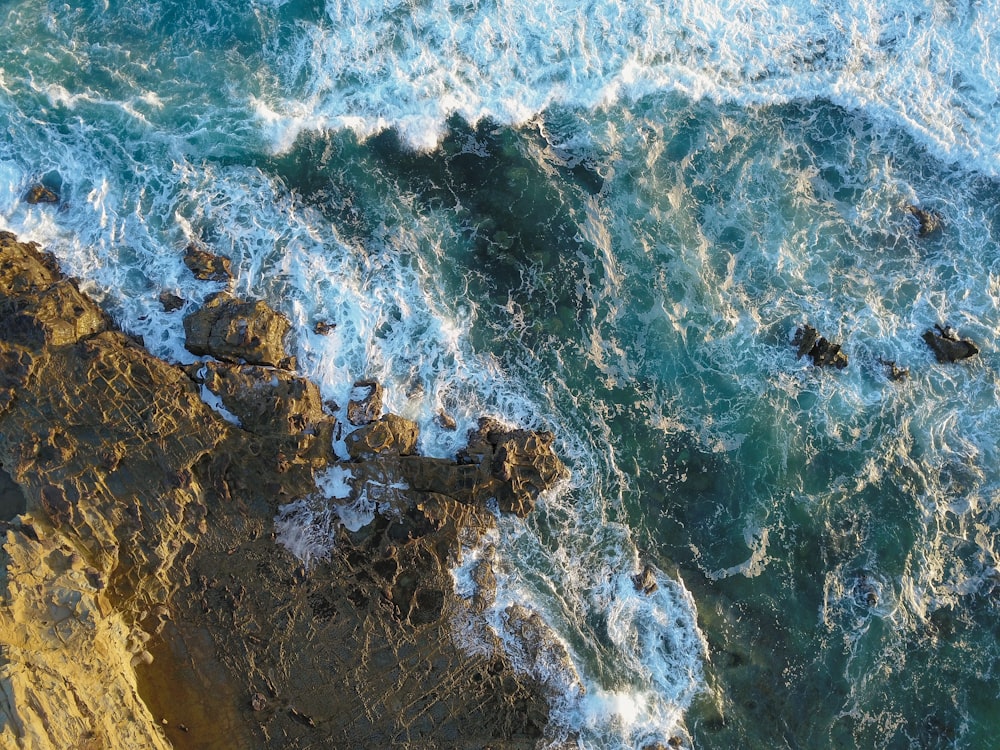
(333, 482)
(369, 66)
(307, 528)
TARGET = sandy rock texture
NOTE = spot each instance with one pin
(146, 601)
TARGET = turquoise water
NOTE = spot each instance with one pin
(605, 220)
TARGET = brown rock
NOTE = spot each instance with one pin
(171, 302)
(140, 499)
(40, 194)
(646, 580)
(272, 403)
(207, 266)
(388, 435)
(928, 221)
(232, 330)
(445, 421)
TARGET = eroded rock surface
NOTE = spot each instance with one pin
(146, 602)
(236, 330)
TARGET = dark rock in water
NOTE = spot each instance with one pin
(824, 354)
(232, 330)
(40, 194)
(805, 340)
(893, 372)
(171, 302)
(323, 328)
(646, 580)
(947, 346)
(365, 404)
(207, 266)
(928, 221)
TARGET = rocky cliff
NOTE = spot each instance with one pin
(145, 600)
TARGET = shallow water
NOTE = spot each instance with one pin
(606, 220)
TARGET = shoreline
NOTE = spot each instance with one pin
(150, 521)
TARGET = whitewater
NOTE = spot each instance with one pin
(604, 219)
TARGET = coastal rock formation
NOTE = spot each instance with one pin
(541, 650)
(146, 601)
(67, 675)
(40, 194)
(207, 266)
(823, 353)
(517, 465)
(893, 371)
(389, 434)
(947, 346)
(232, 330)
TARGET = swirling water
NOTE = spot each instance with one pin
(605, 219)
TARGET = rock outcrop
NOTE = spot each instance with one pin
(207, 266)
(947, 346)
(40, 194)
(236, 330)
(146, 602)
(823, 353)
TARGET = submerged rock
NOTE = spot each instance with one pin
(365, 404)
(893, 372)
(236, 330)
(541, 651)
(947, 346)
(646, 580)
(928, 221)
(823, 353)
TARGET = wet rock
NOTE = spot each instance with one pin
(236, 330)
(541, 651)
(893, 372)
(271, 403)
(445, 421)
(323, 328)
(521, 464)
(823, 353)
(645, 581)
(207, 266)
(947, 346)
(928, 221)
(171, 302)
(390, 434)
(40, 194)
(365, 404)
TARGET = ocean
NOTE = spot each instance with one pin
(606, 219)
